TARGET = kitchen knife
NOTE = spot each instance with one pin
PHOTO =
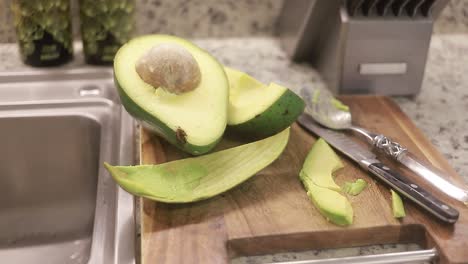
(433, 8)
(368, 160)
(354, 6)
(349, 6)
(412, 8)
(398, 6)
(383, 6)
(322, 109)
(368, 7)
(426, 7)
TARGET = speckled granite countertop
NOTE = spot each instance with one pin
(440, 110)
(214, 18)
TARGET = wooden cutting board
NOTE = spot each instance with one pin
(271, 212)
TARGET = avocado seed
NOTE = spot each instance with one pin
(170, 67)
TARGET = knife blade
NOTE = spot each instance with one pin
(369, 162)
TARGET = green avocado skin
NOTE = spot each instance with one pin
(159, 127)
(276, 118)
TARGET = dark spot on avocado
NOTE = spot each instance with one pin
(286, 112)
(181, 135)
(258, 115)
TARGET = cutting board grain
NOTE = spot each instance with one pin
(272, 213)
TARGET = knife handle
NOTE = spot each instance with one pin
(426, 171)
(414, 192)
(434, 176)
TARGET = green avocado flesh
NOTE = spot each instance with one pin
(258, 110)
(397, 205)
(202, 177)
(193, 121)
(354, 188)
(334, 206)
(316, 175)
(319, 165)
(339, 105)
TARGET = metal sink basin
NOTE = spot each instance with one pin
(57, 202)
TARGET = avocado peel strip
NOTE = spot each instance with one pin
(202, 177)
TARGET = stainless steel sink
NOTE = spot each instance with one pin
(57, 202)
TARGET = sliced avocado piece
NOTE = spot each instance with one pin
(334, 206)
(319, 165)
(202, 177)
(257, 110)
(316, 175)
(195, 120)
(354, 188)
(397, 205)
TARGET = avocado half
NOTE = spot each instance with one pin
(257, 110)
(193, 121)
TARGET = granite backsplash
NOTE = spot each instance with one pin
(220, 18)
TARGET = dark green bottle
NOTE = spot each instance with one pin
(105, 26)
(44, 33)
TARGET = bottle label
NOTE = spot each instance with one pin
(49, 52)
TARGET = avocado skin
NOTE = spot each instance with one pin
(276, 118)
(159, 127)
(198, 178)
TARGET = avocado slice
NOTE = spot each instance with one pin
(354, 188)
(202, 177)
(397, 205)
(257, 110)
(193, 121)
(316, 175)
(319, 165)
(331, 204)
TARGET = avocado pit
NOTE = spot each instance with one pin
(170, 67)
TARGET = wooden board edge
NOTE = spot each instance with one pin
(297, 242)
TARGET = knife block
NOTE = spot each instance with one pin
(359, 53)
